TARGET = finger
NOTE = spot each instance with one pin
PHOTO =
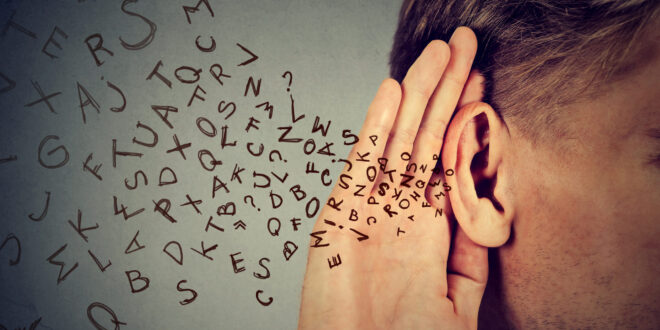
(371, 141)
(474, 89)
(417, 87)
(443, 103)
(467, 276)
(437, 189)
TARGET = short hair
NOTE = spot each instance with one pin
(534, 54)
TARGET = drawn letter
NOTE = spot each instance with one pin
(193, 292)
(61, 277)
(145, 280)
(41, 146)
(97, 47)
(152, 29)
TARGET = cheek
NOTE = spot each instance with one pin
(581, 231)
(560, 237)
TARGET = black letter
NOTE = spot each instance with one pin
(41, 146)
(99, 46)
(152, 29)
(189, 300)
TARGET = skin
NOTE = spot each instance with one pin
(401, 282)
(586, 252)
(574, 219)
(387, 281)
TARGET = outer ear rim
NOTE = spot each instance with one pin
(484, 224)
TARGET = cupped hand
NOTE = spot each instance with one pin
(385, 252)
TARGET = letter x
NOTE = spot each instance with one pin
(43, 97)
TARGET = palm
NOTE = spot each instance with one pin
(389, 272)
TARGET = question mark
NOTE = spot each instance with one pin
(290, 79)
(245, 200)
(270, 156)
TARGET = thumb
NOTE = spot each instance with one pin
(467, 274)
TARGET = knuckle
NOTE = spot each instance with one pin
(454, 82)
(417, 90)
(403, 136)
(433, 131)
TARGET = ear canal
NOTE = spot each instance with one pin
(480, 160)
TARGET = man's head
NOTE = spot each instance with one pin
(560, 168)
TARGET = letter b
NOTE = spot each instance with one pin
(145, 280)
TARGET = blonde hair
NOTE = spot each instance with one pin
(534, 54)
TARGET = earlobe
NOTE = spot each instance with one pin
(476, 148)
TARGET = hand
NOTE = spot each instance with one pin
(379, 251)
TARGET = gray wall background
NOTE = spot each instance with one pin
(337, 53)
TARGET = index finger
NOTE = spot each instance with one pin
(379, 120)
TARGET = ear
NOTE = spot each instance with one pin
(476, 148)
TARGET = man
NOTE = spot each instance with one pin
(558, 168)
